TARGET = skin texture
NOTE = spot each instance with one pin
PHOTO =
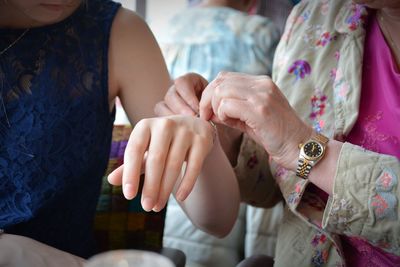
(158, 147)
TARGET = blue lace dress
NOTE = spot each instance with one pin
(55, 127)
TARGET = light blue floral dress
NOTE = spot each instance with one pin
(208, 40)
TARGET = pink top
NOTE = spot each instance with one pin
(377, 128)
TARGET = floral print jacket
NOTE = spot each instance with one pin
(318, 65)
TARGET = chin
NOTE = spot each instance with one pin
(47, 17)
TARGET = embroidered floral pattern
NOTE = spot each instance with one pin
(281, 174)
(341, 86)
(312, 35)
(294, 197)
(303, 17)
(325, 39)
(318, 239)
(324, 7)
(319, 258)
(341, 212)
(372, 135)
(300, 68)
(253, 161)
(317, 110)
(384, 202)
(337, 55)
(357, 17)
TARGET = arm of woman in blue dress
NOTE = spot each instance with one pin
(18, 250)
(138, 75)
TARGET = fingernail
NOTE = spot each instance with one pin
(180, 196)
(157, 208)
(128, 191)
(147, 203)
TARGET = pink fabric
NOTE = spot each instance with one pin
(377, 129)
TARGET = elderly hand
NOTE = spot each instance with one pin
(255, 105)
(183, 96)
(169, 142)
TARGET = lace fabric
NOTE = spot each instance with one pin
(55, 127)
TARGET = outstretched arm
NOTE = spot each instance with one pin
(139, 77)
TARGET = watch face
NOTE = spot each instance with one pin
(313, 149)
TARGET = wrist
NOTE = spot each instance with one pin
(289, 156)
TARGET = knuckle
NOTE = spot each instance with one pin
(185, 134)
(156, 157)
(141, 125)
(166, 123)
(262, 109)
(175, 165)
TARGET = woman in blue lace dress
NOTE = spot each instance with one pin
(62, 64)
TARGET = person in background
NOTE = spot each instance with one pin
(212, 36)
(276, 10)
(326, 126)
(62, 65)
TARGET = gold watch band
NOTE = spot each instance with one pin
(321, 138)
(304, 165)
(303, 168)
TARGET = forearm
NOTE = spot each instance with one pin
(214, 202)
(22, 251)
(323, 174)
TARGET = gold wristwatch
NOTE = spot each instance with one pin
(311, 152)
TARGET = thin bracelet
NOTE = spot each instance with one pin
(215, 133)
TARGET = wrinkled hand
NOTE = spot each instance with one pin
(183, 96)
(169, 142)
(255, 105)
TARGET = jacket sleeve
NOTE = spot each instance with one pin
(257, 186)
(365, 196)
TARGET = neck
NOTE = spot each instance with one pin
(11, 17)
(15, 18)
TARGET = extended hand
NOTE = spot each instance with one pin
(169, 142)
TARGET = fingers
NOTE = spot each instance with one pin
(233, 109)
(195, 161)
(183, 96)
(205, 109)
(190, 87)
(163, 145)
(173, 168)
(226, 85)
(115, 177)
(161, 109)
(133, 158)
(177, 104)
(155, 163)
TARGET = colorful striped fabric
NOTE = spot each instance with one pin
(119, 223)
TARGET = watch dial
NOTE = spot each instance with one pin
(313, 149)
